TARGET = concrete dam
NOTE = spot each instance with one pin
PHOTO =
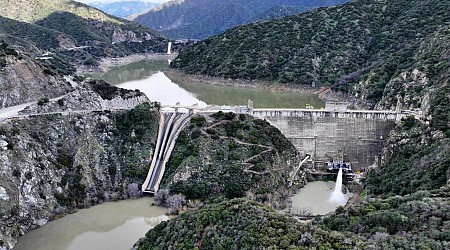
(320, 135)
(325, 134)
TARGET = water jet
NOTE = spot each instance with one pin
(338, 196)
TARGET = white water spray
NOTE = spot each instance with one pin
(169, 48)
(337, 196)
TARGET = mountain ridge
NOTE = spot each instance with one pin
(123, 9)
(55, 37)
(362, 48)
(198, 19)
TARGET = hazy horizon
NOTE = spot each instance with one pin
(113, 1)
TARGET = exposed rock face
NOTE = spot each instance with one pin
(23, 80)
(52, 164)
(96, 95)
(408, 89)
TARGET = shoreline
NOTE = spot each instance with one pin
(239, 83)
(105, 64)
(324, 93)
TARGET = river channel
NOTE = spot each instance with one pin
(314, 199)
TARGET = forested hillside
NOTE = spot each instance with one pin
(64, 24)
(46, 40)
(387, 53)
(198, 19)
(34, 10)
(225, 154)
(242, 224)
(373, 49)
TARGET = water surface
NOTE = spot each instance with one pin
(315, 198)
(113, 225)
(149, 77)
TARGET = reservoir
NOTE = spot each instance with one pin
(112, 225)
(149, 77)
(118, 225)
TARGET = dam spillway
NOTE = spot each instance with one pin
(170, 125)
(322, 134)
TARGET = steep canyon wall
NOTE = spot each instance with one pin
(53, 164)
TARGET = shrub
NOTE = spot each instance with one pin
(42, 101)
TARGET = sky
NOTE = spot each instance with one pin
(111, 1)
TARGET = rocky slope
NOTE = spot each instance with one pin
(41, 41)
(97, 95)
(231, 155)
(23, 79)
(198, 19)
(52, 164)
(68, 24)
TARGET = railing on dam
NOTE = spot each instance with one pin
(171, 123)
(362, 114)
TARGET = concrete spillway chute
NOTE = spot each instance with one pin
(171, 124)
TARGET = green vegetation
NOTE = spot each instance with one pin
(75, 190)
(136, 127)
(383, 52)
(31, 11)
(76, 27)
(5, 51)
(242, 224)
(360, 47)
(204, 18)
(107, 91)
(227, 155)
(30, 33)
(43, 101)
(413, 167)
(419, 153)
(75, 33)
(418, 221)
